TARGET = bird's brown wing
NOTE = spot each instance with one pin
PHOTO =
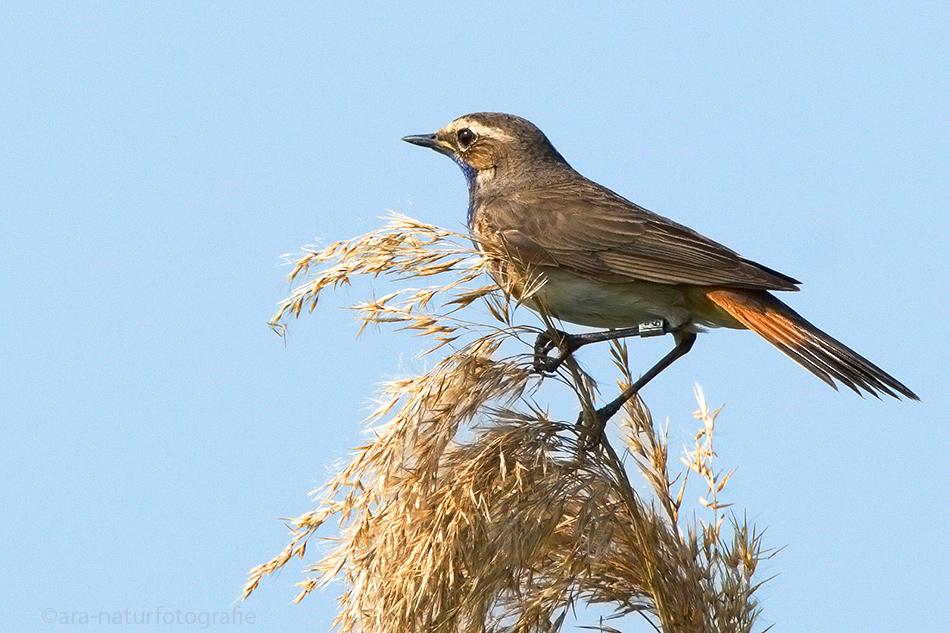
(598, 234)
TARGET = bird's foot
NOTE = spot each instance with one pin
(567, 344)
(549, 341)
(590, 428)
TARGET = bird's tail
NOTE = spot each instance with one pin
(808, 346)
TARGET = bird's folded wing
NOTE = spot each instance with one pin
(600, 235)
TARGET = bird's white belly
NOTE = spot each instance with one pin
(583, 301)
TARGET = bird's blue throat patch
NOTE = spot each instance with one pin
(467, 170)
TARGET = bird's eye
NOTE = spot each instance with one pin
(466, 137)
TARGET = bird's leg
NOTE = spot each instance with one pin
(567, 344)
(595, 431)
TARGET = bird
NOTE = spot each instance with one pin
(604, 262)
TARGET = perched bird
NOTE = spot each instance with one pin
(606, 262)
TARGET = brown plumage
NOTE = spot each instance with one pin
(607, 262)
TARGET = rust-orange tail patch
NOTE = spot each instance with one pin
(808, 346)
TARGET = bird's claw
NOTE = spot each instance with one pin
(544, 344)
(590, 430)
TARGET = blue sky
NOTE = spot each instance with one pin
(157, 160)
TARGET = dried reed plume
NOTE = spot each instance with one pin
(470, 509)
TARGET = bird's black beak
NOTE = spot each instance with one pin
(423, 140)
(430, 141)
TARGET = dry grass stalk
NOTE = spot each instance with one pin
(469, 509)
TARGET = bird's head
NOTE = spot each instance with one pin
(489, 145)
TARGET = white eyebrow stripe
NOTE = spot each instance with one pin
(482, 130)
